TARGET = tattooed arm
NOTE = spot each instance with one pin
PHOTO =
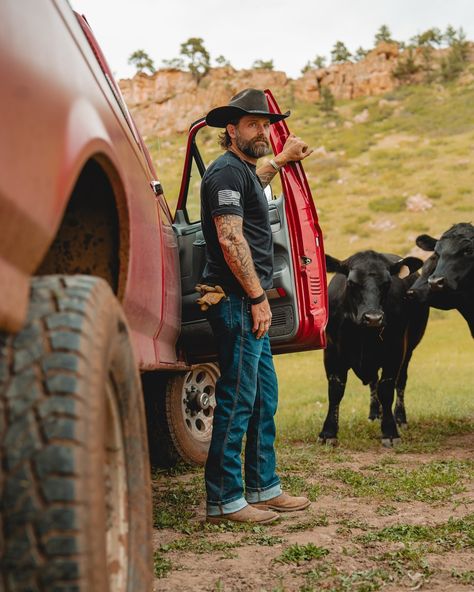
(238, 256)
(236, 251)
(266, 172)
(293, 150)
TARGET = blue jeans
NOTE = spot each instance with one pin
(247, 398)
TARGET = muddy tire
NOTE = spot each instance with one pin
(75, 508)
(163, 453)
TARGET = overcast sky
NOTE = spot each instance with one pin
(289, 32)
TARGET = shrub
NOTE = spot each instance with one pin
(263, 65)
(453, 64)
(406, 66)
(327, 100)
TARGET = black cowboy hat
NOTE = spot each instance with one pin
(247, 102)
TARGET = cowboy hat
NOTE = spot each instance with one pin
(247, 102)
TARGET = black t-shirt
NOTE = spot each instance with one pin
(231, 186)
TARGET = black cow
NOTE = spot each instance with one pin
(447, 277)
(372, 326)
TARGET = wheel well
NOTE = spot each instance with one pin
(88, 239)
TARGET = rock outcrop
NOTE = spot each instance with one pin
(169, 100)
(371, 76)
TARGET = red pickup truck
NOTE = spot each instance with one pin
(105, 359)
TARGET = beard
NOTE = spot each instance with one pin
(254, 148)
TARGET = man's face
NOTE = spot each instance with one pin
(251, 135)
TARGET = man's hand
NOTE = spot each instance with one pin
(262, 318)
(295, 149)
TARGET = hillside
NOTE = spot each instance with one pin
(385, 168)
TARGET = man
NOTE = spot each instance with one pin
(234, 214)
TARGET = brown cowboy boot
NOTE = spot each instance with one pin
(248, 514)
(283, 503)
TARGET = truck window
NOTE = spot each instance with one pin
(193, 201)
(205, 150)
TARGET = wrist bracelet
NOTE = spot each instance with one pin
(274, 164)
(258, 299)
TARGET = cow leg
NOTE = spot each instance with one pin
(374, 410)
(336, 387)
(400, 413)
(390, 435)
(415, 331)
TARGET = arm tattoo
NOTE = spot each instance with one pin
(266, 176)
(237, 253)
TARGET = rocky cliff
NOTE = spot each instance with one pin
(169, 100)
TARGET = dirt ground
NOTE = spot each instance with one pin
(350, 538)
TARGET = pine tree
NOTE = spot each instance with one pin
(263, 65)
(383, 35)
(340, 53)
(142, 61)
(196, 57)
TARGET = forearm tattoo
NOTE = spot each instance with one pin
(265, 174)
(236, 252)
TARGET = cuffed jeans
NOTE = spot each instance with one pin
(246, 397)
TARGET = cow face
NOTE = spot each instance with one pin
(369, 277)
(451, 266)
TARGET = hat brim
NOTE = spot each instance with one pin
(221, 116)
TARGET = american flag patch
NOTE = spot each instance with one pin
(228, 197)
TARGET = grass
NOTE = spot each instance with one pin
(464, 577)
(336, 580)
(453, 534)
(161, 565)
(201, 546)
(173, 508)
(309, 523)
(297, 485)
(387, 204)
(431, 483)
(407, 558)
(298, 554)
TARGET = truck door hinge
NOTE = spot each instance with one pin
(157, 188)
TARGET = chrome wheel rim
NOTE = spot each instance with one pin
(198, 401)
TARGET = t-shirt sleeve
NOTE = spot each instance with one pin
(225, 190)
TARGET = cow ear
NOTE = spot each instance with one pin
(413, 264)
(426, 242)
(333, 265)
